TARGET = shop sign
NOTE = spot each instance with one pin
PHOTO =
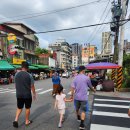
(18, 61)
(11, 38)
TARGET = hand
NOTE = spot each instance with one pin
(34, 97)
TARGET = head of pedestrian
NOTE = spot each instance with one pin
(60, 90)
(25, 65)
(81, 69)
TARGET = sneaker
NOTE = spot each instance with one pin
(81, 127)
(59, 125)
(15, 124)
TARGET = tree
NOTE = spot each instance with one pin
(39, 51)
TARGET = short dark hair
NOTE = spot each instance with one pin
(60, 89)
(81, 68)
(25, 65)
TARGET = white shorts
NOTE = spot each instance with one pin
(61, 111)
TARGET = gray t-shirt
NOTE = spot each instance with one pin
(23, 83)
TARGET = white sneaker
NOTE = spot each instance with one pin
(59, 125)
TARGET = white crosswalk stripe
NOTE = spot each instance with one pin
(110, 113)
(39, 91)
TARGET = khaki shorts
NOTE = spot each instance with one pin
(61, 111)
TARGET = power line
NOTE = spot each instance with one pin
(99, 21)
(100, 26)
(53, 11)
(92, 25)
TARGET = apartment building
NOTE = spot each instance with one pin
(64, 53)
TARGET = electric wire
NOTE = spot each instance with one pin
(91, 35)
(54, 11)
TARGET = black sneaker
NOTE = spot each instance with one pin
(15, 124)
(81, 127)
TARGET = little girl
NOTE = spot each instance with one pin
(60, 104)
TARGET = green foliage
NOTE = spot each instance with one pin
(39, 51)
(126, 71)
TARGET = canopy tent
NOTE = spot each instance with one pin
(41, 66)
(4, 65)
(102, 65)
(30, 67)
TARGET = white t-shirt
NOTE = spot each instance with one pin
(60, 101)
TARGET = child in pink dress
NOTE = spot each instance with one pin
(60, 104)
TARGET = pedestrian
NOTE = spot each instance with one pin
(79, 90)
(56, 83)
(60, 104)
(24, 84)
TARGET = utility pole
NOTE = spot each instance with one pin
(116, 12)
(124, 4)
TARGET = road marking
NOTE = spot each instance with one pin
(109, 105)
(7, 91)
(45, 91)
(97, 99)
(107, 127)
(110, 114)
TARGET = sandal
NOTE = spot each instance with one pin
(29, 122)
(15, 124)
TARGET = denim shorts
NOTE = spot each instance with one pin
(82, 105)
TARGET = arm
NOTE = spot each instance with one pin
(68, 100)
(90, 85)
(33, 87)
(129, 111)
(55, 104)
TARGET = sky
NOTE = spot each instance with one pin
(45, 15)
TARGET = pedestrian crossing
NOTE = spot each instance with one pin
(39, 91)
(110, 113)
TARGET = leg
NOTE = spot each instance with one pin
(18, 112)
(27, 114)
(77, 108)
(28, 103)
(61, 118)
(20, 104)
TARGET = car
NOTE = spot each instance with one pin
(65, 75)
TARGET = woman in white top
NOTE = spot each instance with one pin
(60, 104)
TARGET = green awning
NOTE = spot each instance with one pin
(4, 65)
(41, 66)
(17, 66)
(33, 67)
(30, 67)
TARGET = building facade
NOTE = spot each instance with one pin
(64, 53)
(88, 53)
(29, 41)
(106, 43)
(76, 54)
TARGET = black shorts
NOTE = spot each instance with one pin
(22, 101)
(82, 105)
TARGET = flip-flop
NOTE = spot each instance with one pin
(28, 123)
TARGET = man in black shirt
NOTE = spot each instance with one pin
(24, 84)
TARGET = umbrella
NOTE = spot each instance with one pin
(102, 65)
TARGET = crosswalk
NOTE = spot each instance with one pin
(110, 113)
(39, 91)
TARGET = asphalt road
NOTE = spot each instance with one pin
(42, 112)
